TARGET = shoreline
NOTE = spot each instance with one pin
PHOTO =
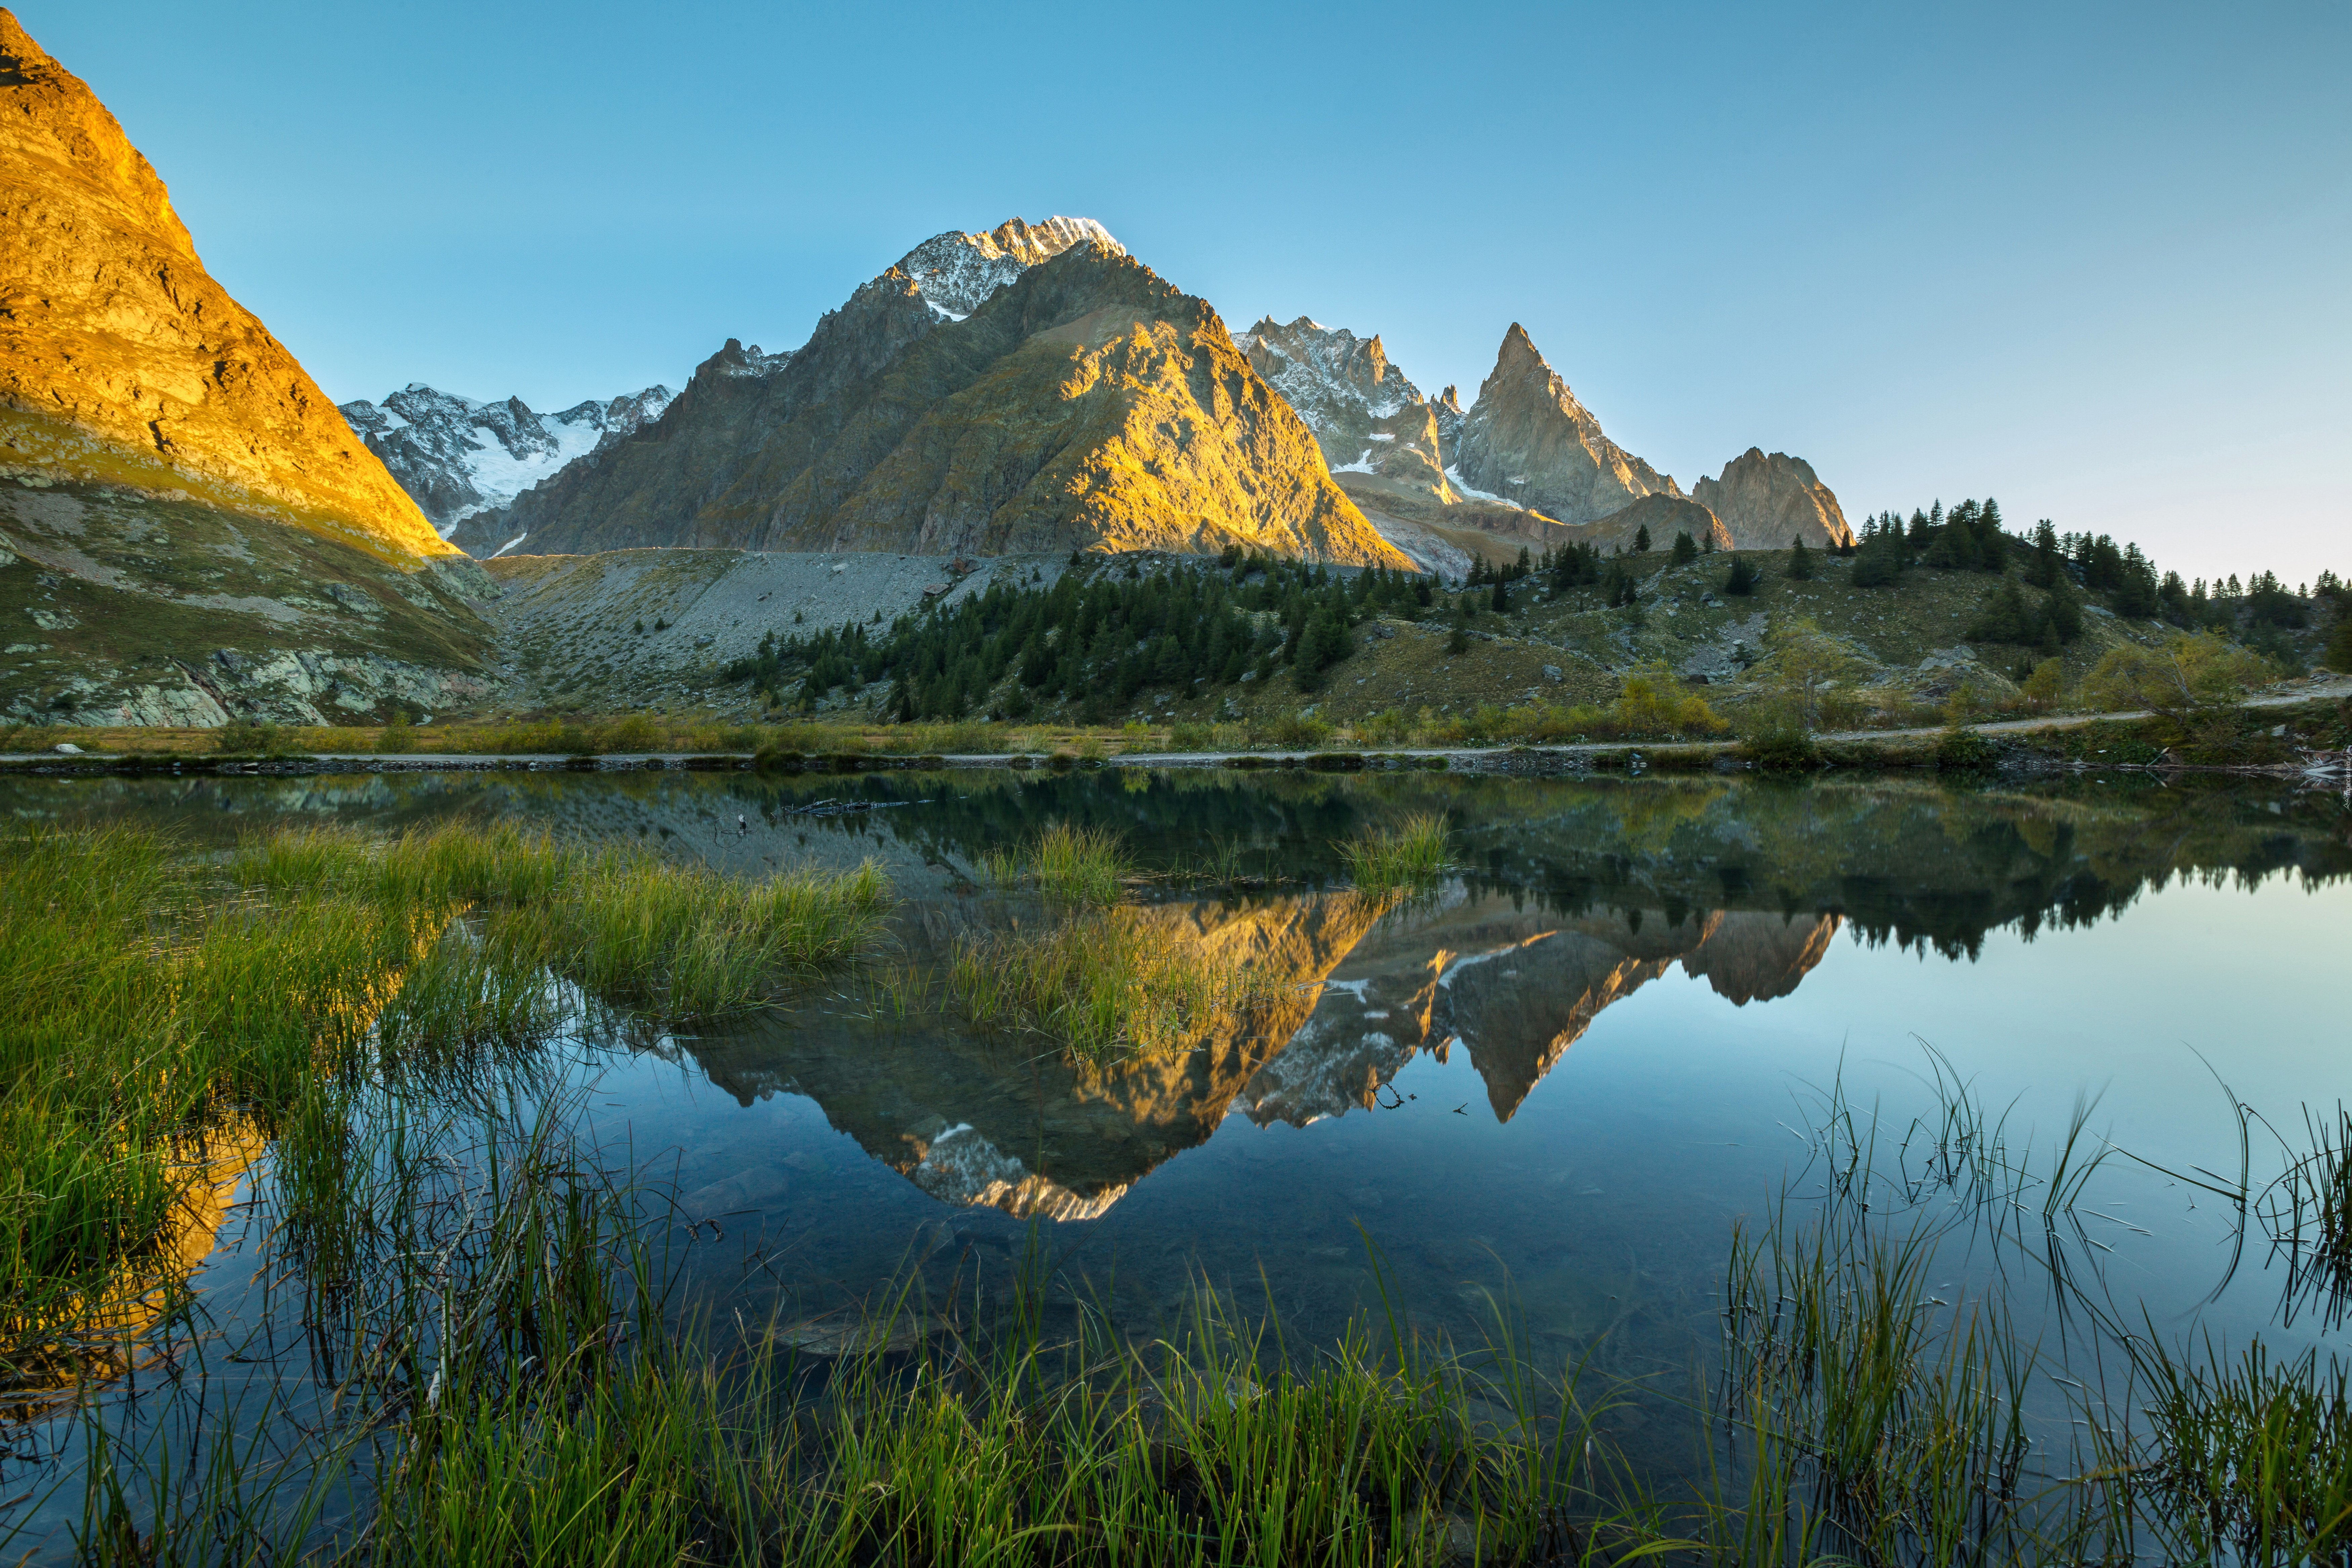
(1905, 750)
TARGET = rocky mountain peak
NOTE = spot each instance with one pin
(1087, 405)
(1766, 501)
(110, 324)
(1316, 367)
(956, 272)
(458, 458)
(1529, 442)
(58, 127)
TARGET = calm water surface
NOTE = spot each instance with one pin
(1563, 1076)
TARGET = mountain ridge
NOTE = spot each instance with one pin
(457, 456)
(1088, 404)
(109, 323)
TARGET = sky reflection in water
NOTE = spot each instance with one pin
(1569, 1068)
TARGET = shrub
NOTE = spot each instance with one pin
(246, 738)
(1965, 751)
(2188, 672)
(1780, 745)
(397, 736)
(1654, 701)
(2339, 645)
(1299, 729)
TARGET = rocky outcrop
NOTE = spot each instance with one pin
(110, 327)
(142, 605)
(1529, 442)
(457, 456)
(1086, 404)
(1768, 501)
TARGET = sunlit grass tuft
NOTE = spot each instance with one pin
(1073, 865)
(156, 995)
(1100, 984)
(1410, 855)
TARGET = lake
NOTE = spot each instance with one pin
(1554, 1079)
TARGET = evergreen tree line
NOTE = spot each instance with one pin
(1096, 637)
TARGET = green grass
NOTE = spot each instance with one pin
(1411, 854)
(1074, 865)
(1100, 984)
(162, 1003)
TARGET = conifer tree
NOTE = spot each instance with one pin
(1685, 549)
(1742, 580)
(1642, 540)
(1801, 562)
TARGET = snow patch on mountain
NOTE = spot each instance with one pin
(956, 272)
(1334, 379)
(458, 456)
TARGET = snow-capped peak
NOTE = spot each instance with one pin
(956, 272)
(1318, 368)
(458, 457)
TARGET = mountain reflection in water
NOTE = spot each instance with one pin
(1570, 896)
(1366, 983)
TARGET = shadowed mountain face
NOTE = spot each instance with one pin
(458, 456)
(1086, 403)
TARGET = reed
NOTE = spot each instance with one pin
(697, 942)
(159, 998)
(1071, 865)
(1102, 984)
(2245, 1459)
(2307, 1211)
(1411, 854)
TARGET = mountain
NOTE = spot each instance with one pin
(1765, 502)
(1368, 417)
(455, 456)
(1086, 404)
(109, 323)
(1529, 442)
(188, 530)
(957, 273)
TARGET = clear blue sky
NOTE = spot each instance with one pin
(2090, 260)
